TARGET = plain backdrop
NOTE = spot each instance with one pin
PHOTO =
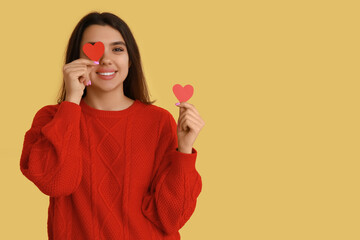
(276, 82)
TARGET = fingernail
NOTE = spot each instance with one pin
(89, 82)
(96, 62)
(177, 104)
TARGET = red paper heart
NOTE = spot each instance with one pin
(94, 52)
(183, 93)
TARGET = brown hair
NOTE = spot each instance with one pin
(135, 86)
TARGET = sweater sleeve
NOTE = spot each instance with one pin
(176, 184)
(51, 156)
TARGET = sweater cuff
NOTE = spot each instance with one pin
(68, 111)
(185, 161)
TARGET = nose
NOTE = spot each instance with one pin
(105, 59)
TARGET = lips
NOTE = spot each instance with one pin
(102, 70)
(107, 77)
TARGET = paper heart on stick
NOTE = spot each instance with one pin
(183, 93)
(94, 52)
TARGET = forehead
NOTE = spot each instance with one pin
(105, 34)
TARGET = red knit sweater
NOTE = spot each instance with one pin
(110, 174)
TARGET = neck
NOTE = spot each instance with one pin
(109, 101)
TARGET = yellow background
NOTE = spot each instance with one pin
(276, 82)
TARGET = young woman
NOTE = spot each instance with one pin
(114, 165)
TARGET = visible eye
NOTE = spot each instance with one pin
(118, 49)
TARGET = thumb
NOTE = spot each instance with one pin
(178, 121)
(181, 108)
(90, 68)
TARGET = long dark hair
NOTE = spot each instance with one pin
(135, 86)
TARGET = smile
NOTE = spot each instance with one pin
(106, 73)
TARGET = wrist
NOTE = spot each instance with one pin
(182, 149)
(72, 99)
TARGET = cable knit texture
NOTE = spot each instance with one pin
(110, 174)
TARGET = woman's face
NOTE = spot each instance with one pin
(115, 58)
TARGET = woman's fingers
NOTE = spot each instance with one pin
(82, 79)
(89, 70)
(79, 63)
(84, 61)
(191, 123)
(187, 109)
(81, 75)
(189, 112)
(188, 120)
(76, 69)
(187, 105)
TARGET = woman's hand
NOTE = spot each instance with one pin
(76, 77)
(189, 125)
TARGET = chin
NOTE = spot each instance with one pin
(108, 85)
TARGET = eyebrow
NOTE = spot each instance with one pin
(113, 43)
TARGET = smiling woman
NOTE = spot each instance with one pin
(114, 165)
(120, 46)
(115, 64)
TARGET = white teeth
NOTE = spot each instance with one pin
(107, 73)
